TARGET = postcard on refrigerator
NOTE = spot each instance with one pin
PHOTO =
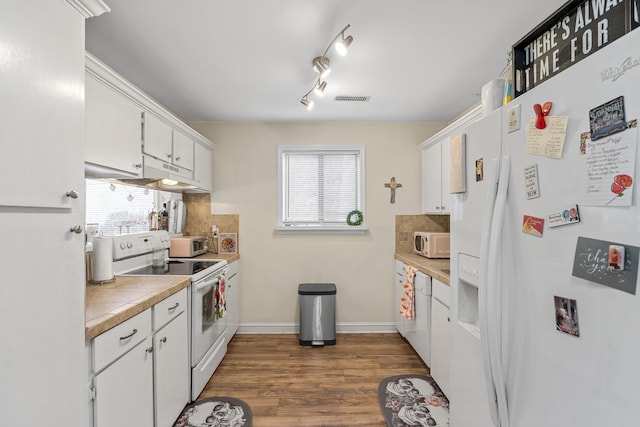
(532, 225)
(609, 168)
(457, 183)
(548, 142)
(531, 181)
(567, 316)
(607, 119)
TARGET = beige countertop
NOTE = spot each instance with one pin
(110, 304)
(431, 266)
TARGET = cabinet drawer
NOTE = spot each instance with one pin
(169, 308)
(441, 292)
(112, 344)
(233, 269)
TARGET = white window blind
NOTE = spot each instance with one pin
(319, 185)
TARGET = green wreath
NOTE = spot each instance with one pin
(354, 218)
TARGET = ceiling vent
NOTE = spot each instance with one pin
(353, 98)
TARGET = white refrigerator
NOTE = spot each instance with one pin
(544, 331)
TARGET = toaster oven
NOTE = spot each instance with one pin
(187, 247)
(431, 245)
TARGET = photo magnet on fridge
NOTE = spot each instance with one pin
(568, 215)
(566, 316)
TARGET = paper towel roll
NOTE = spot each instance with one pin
(102, 259)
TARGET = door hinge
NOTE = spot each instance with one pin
(92, 393)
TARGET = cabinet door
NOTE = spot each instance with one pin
(171, 370)
(233, 302)
(182, 150)
(445, 174)
(440, 344)
(202, 167)
(124, 391)
(157, 138)
(113, 132)
(397, 294)
(432, 179)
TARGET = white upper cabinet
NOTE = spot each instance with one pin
(157, 138)
(435, 177)
(202, 173)
(113, 131)
(436, 165)
(182, 155)
(130, 132)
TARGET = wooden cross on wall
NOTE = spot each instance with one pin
(393, 185)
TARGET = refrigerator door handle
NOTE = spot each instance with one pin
(483, 289)
(494, 307)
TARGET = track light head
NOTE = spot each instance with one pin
(321, 65)
(320, 87)
(343, 45)
(308, 104)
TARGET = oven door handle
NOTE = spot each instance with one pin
(205, 284)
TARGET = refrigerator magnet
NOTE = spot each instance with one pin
(568, 215)
(616, 258)
(532, 188)
(532, 225)
(566, 315)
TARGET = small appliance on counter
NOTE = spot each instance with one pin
(431, 245)
(187, 247)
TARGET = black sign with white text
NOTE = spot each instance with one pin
(574, 32)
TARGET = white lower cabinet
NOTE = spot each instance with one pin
(124, 390)
(233, 299)
(171, 370)
(440, 335)
(141, 367)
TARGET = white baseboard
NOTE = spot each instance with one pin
(294, 328)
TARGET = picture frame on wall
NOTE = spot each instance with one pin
(228, 243)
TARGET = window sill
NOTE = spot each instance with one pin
(301, 229)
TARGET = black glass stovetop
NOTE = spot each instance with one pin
(175, 267)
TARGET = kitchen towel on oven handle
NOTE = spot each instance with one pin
(407, 304)
(221, 300)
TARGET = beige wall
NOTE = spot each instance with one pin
(272, 265)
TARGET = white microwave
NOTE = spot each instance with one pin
(431, 245)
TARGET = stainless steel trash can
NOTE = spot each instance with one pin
(317, 313)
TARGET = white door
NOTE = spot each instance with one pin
(171, 370)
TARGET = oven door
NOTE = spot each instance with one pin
(206, 324)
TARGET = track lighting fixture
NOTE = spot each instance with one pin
(321, 65)
(319, 88)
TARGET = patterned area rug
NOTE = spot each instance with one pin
(412, 400)
(216, 412)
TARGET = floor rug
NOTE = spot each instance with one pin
(412, 400)
(216, 412)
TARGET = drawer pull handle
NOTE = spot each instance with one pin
(163, 339)
(135, 331)
(174, 307)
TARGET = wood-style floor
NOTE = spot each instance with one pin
(288, 385)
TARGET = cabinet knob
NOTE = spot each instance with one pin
(76, 229)
(138, 165)
(149, 350)
(73, 194)
(178, 159)
(164, 339)
(169, 156)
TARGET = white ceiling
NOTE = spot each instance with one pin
(250, 60)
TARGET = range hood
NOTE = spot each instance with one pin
(156, 175)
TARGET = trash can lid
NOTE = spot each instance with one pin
(317, 289)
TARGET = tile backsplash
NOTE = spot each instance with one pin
(200, 219)
(407, 224)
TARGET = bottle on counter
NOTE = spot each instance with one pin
(163, 218)
(153, 220)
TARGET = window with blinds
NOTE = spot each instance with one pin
(319, 186)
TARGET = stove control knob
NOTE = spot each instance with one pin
(129, 245)
(122, 245)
